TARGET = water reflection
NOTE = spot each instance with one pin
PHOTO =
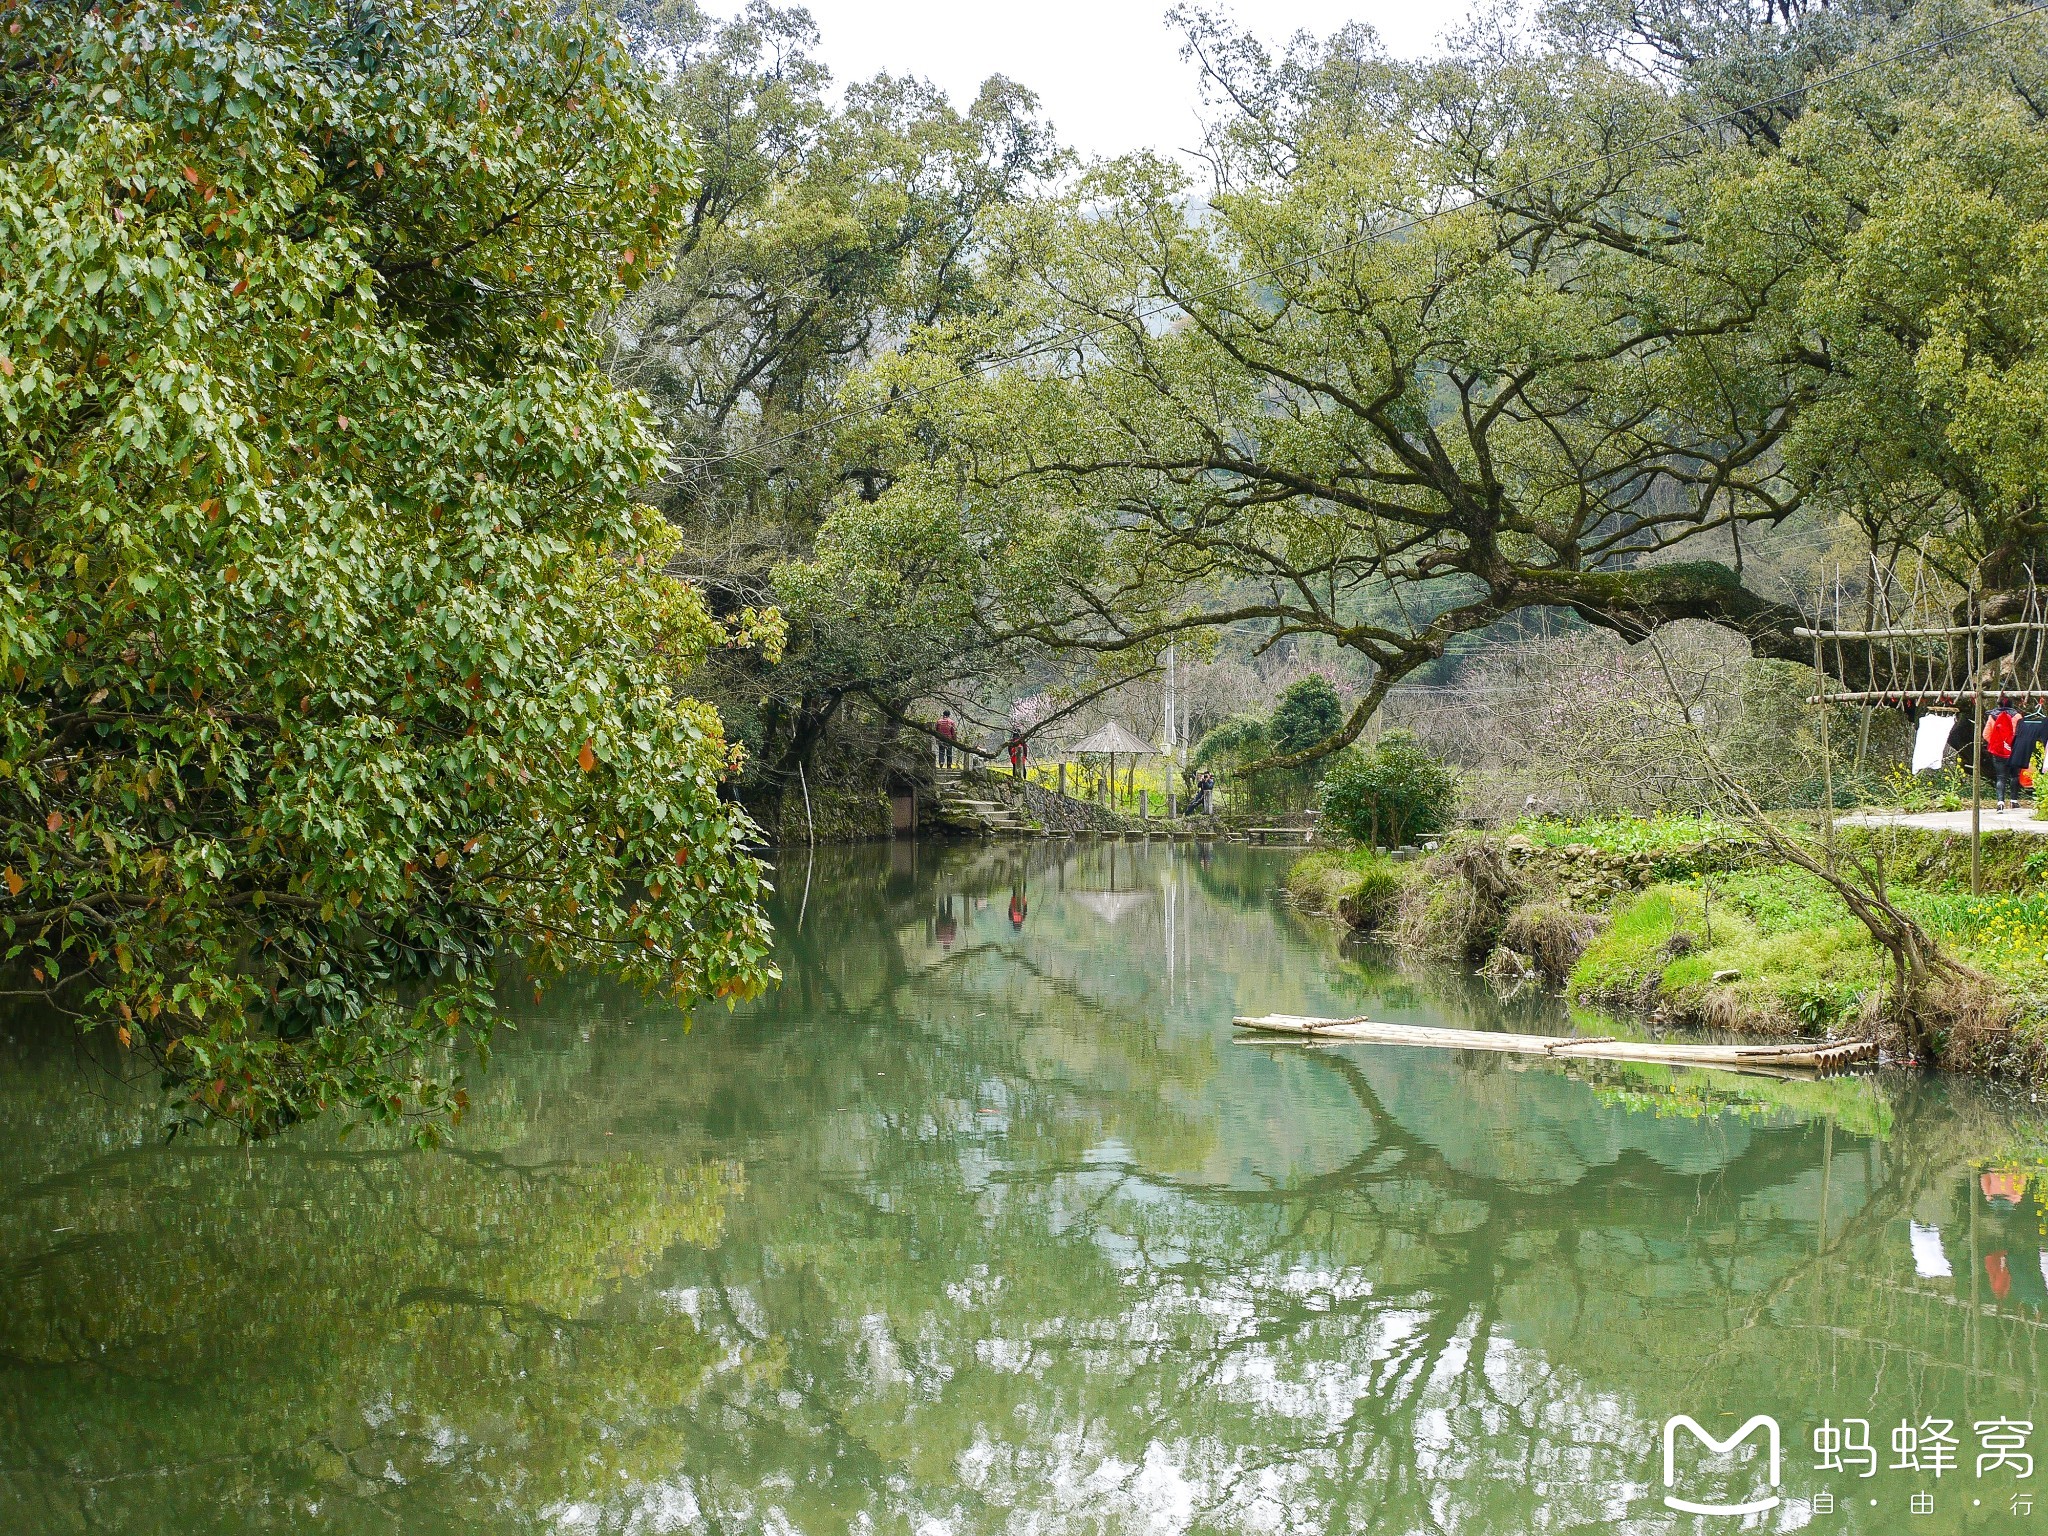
(984, 1222)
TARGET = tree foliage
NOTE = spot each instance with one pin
(1308, 711)
(821, 233)
(1541, 324)
(1231, 743)
(340, 655)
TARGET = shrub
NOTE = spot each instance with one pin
(1390, 794)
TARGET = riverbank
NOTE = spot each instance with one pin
(975, 803)
(1695, 923)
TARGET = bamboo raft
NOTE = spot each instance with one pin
(1805, 1056)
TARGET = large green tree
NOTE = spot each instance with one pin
(1530, 327)
(340, 659)
(1917, 193)
(822, 233)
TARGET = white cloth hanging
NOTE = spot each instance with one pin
(1931, 741)
(1928, 1259)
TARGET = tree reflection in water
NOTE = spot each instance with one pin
(985, 1222)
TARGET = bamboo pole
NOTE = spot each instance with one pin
(1869, 618)
(1977, 750)
(1827, 764)
(1952, 632)
(1799, 1054)
(1915, 695)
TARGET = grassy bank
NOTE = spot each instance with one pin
(1362, 887)
(1693, 922)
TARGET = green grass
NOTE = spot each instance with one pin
(1630, 835)
(1799, 958)
(1675, 846)
(2013, 862)
(1633, 945)
(1359, 884)
(1913, 856)
(2003, 933)
(1801, 954)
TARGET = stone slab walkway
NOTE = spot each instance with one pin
(1949, 821)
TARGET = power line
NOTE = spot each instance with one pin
(1375, 237)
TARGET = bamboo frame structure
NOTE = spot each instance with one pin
(1928, 677)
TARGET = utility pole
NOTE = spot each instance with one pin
(1172, 712)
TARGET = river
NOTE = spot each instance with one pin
(983, 1222)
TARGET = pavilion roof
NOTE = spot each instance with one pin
(1113, 738)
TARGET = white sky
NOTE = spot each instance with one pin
(1108, 71)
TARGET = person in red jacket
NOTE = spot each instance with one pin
(1998, 732)
(948, 733)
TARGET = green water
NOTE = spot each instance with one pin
(984, 1223)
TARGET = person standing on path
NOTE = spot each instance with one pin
(1019, 754)
(1998, 737)
(948, 733)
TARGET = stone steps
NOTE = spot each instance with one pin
(989, 817)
